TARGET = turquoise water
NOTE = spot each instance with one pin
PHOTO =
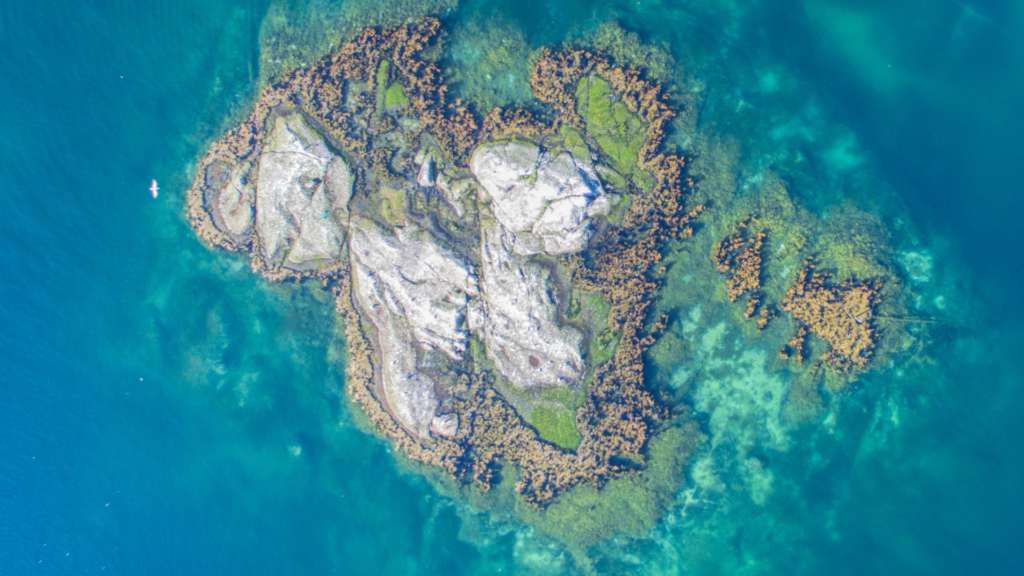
(162, 410)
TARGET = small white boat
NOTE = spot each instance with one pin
(154, 189)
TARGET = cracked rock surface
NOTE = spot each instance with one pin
(302, 194)
(415, 292)
(546, 199)
(423, 298)
(520, 327)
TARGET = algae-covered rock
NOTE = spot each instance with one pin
(551, 196)
(302, 191)
(394, 97)
(521, 332)
(619, 132)
(556, 425)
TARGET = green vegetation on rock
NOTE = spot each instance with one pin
(564, 396)
(394, 205)
(618, 132)
(556, 425)
(382, 85)
(594, 312)
(395, 97)
(574, 143)
(610, 178)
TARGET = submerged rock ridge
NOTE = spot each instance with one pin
(455, 247)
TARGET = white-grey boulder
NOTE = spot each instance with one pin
(424, 282)
(549, 196)
(415, 292)
(427, 175)
(302, 193)
(445, 425)
(518, 317)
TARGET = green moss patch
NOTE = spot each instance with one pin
(394, 96)
(618, 132)
(556, 425)
(564, 396)
(594, 311)
(381, 79)
(394, 205)
(610, 178)
(573, 142)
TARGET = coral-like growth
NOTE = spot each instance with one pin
(839, 314)
(738, 256)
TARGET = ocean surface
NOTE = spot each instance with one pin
(165, 411)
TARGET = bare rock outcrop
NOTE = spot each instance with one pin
(520, 328)
(415, 292)
(546, 199)
(302, 193)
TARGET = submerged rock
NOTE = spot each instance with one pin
(302, 192)
(519, 325)
(548, 200)
(415, 292)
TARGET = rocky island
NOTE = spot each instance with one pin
(496, 274)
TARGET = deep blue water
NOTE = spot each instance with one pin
(163, 411)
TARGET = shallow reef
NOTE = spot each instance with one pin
(840, 314)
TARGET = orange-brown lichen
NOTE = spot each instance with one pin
(839, 314)
(739, 257)
(337, 97)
